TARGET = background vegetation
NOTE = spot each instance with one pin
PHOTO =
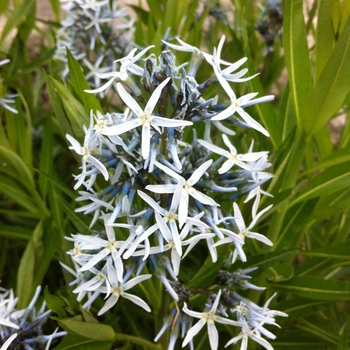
(304, 61)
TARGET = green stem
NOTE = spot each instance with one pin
(136, 340)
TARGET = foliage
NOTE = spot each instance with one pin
(307, 71)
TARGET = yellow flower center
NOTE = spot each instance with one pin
(145, 118)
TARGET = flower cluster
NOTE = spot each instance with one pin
(23, 328)
(97, 33)
(165, 195)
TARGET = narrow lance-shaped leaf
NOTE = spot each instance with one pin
(314, 288)
(17, 15)
(297, 56)
(79, 84)
(333, 85)
(324, 37)
(332, 179)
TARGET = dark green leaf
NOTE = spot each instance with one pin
(72, 342)
(55, 303)
(95, 331)
(314, 288)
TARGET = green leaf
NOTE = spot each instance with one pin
(16, 17)
(75, 218)
(339, 156)
(265, 110)
(157, 12)
(13, 165)
(79, 84)
(4, 5)
(340, 251)
(26, 270)
(324, 36)
(332, 179)
(95, 331)
(55, 303)
(314, 288)
(266, 260)
(278, 273)
(15, 232)
(71, 342)
(12, 189)
(300, 307)
(297, 56)
(333, 85)
(46, 158)
(207, 273)
(344, 339)
(69, 111)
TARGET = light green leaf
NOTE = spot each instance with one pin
(157, 12)
(95, 331)
(69, 111)
(79, 84)
(332, 87)
(297, 56)
(332, 179)
(16, 17)
(26, 270)
(314, 288)
(339, 156)
(324, 36)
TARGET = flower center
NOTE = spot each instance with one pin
(100, 125)
(118, 290)
(86, 151)
(169, 216)
(145, 118)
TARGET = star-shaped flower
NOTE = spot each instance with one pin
(232, 155)
(144, 118)
(237, 104)
(184, 189)
(118, 289)
(208, 318)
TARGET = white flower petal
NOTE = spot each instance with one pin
(129, 100)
